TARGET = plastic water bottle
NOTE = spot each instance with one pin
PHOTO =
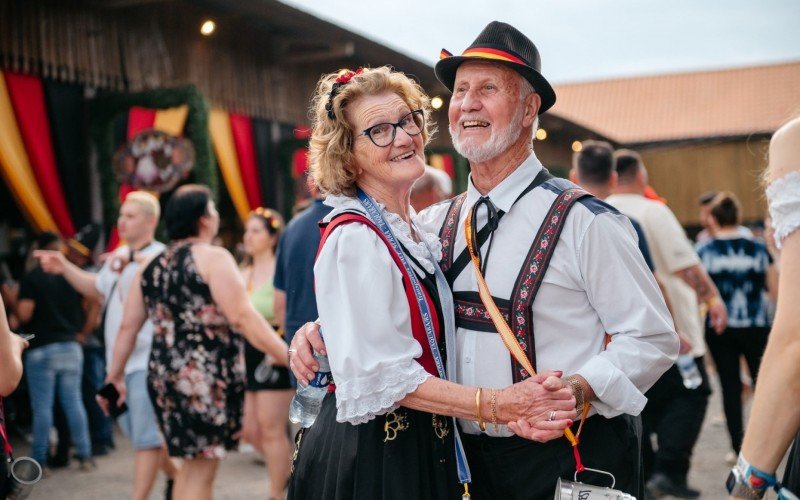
(308, 400)
(689, 371)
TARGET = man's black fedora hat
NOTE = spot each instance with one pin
(503, 44)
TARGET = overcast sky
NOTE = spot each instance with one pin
(583, 40)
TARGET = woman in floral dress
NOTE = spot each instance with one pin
(197, 301)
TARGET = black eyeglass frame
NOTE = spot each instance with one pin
(418, 112)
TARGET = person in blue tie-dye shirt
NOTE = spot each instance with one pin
(739, 266)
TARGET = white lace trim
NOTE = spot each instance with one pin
(401, 230)
(360, 400)
(784, 205)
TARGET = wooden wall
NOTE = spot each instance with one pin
(682, 173)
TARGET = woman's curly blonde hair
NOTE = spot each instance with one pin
(330, 153)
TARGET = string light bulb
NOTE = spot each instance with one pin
(208, 27)
(437, 102)
(577, 146)
(541, 134)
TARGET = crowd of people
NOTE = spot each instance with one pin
(454, 375)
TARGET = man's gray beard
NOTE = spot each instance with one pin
(497, 144)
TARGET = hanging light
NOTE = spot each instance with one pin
(577, 146)
(541, 134)
(437, 102)
(208, 27)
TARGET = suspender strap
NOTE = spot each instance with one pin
(532, 273)
(453, 268)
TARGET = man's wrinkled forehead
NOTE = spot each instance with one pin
(486, 70)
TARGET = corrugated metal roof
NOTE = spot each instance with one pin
(722, 103)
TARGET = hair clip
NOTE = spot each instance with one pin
(340, 82)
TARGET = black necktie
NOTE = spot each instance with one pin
(492, 221)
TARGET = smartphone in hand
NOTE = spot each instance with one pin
(111, 394)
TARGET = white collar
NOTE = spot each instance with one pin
(401, 230)
(506, 193)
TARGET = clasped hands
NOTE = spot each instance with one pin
(539, 408)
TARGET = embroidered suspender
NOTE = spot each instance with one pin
(447, 234)
(532, 274)
(472, 314)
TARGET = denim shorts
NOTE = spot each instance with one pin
(139, 423)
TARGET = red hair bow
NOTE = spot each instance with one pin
(348, 75)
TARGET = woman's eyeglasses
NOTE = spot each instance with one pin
(383, 134)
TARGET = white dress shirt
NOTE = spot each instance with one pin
(365, 315)
(597, 282)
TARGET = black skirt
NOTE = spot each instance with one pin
(405, 454)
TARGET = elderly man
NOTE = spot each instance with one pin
(137, 222)
(582, 266)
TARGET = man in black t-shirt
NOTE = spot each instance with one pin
(51, 309)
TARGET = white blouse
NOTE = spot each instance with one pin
(784, 205)
(364, 312)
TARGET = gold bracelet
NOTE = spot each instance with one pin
(478, 416)
(493, 406)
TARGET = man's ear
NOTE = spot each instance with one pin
(613, 181)
(573, 176)
(532, 104)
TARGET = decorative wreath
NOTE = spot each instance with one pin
(154, 161)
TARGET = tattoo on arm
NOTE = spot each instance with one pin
(700, 282)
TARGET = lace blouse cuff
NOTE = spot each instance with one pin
(360, 400)
(784, 205)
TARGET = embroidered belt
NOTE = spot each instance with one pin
(472, 314)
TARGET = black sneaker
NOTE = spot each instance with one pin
(100, 450)
(661, 485)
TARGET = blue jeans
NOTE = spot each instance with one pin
(94, 373)
(51, 368)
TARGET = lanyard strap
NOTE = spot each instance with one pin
(464, 475)
(507, 336)
(3, 434)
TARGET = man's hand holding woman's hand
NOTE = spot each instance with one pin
(541, 407)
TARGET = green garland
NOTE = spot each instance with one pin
(107, 106)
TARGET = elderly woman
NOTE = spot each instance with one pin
(197, 301)
(383, 432)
